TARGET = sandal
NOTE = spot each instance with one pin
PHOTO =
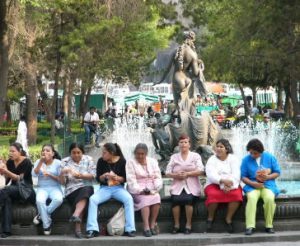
(175, 230)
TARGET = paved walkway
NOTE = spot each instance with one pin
(258, 239)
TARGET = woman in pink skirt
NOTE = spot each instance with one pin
(223, 183)
(144, 182)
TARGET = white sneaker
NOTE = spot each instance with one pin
(37, 219)
(47, 231)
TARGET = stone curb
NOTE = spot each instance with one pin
(160, 240)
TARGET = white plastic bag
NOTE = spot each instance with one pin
(2, 181)
(116, 224)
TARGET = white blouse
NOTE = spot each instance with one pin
(217, 169)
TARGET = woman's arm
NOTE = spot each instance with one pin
(158, 183)
(254, 184)
(132, 183)
(38, 166)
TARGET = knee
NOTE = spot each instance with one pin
(128, 201)
(269, 200)
(58, 199)
(93, 200)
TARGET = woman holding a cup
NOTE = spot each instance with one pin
(258, 171)
(47, 170)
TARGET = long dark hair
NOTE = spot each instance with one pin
(56, 154)
(114, 149)
(19, 148)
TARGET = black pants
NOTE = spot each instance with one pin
(7, 196)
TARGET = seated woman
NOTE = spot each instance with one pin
(78, 171)
(222, 183)
(111, 175)
(184, 168)
(259, 170)
(47, 170)
(144, 182)
(17, 167)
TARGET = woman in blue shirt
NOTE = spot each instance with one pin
(259, 170)
(47, 169)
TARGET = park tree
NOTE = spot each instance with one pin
(251, 43)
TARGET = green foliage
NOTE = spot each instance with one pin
(250, 42)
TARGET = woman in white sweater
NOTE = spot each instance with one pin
(222, 185)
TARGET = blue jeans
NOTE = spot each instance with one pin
(88, 130)
(102, 195)
(42, 194)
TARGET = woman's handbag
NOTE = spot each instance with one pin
(25, 189)
(116, 224)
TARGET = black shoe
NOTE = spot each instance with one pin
(175, 230)
(129, 233)
(187, 231)
(91, 234)
(249, 231)
(75, 219)
(209, 225)
(229, 227)
(269, 230)
(78, 234)
(5, 234)
(147, 233)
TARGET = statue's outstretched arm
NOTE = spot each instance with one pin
(172, 57)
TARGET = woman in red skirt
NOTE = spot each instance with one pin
(222, 185)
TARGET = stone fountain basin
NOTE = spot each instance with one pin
(287, 216)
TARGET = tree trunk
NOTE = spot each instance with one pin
(294, 99)
(288, 107)
(31, 101)
(279, 97)
(4, 46)
(244, 99)
(254, 92)
(56, 79)
(67, 102)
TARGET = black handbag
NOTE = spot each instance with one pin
(25, 190)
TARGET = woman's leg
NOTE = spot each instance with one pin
(269, 206)
(79, 210)
(122, 195)
(145, 212)
(189, 214)
(231, 209)
(102, 195)
(8, 194)
(154, 211)
(56, 196)
(252, 198)
(211, 208)
(41, 198)
(176, 216)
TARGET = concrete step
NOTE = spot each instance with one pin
(193, 239)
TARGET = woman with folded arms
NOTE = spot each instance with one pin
(144, 182)
(184, 168)
(16, 168)
(47, 170)
(78, 171)
(223, 184)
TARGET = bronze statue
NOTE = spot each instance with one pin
(187, 81)
(188, 78)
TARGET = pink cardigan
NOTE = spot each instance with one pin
(192, 163)
(139, 177)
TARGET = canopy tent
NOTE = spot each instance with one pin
(232, 100)
(141, 97)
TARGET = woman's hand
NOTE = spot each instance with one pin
(258, 185)
(227, 182)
